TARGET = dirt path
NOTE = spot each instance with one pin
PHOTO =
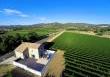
(54, 37)
(51, 37)
(9, 60)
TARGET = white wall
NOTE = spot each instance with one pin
(30, 52)
(19, 54)
(50, 51)
(34, 52)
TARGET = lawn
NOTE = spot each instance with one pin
(4, 69)
(85, 55)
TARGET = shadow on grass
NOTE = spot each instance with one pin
(48, 45)
(52, 75)
(47, 75)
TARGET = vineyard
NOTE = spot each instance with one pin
(85, 55)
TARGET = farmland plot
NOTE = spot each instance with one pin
(39, 31)
(85, 55)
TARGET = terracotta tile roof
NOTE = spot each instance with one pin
(25, 45)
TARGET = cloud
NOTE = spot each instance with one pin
(13, 12)
(42, 18)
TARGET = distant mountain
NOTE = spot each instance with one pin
(103, 25)
(69, 24)
(56, 24)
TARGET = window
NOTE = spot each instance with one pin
(33, 56)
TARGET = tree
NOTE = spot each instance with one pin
(10, 42)
(18, 39)
(2, 48)
(33, 36)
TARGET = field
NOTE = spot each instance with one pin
(85, 55)
(39, 31)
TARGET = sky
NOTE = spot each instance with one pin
(15, 12)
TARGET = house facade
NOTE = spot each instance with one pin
(33, 57)
(29, 50)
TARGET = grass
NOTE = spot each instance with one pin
(70, 40)
(85, 55)
(5, 68)
(19, 72)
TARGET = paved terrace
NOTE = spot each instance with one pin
(36, 64)
(31, 63)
